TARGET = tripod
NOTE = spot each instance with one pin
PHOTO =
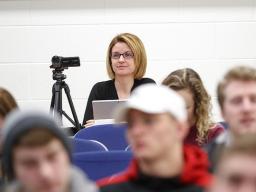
(56, 100)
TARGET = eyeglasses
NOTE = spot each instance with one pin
(126, 55)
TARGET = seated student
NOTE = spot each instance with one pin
(189, 85)
(7, 104)
(157, 126)
(126, 66)
(236, 170)
(237, 100)
(37, 158)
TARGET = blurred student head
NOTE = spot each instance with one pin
(157, 122)
(237, 99)
(7, 104)
(189, 85)
(36, 152)
(236, 170)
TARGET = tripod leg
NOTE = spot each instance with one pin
(67, 91)
(52, 99)
(56, 102)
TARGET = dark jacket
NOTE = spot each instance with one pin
(215, 148)
(194, 177)
(106, 90)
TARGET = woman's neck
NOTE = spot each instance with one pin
(124, 86)
(165, 167)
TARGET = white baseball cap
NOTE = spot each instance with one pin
(153, 99)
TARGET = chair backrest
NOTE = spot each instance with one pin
(111, 135)
(81, 145)
(98, 165)
(128, 148)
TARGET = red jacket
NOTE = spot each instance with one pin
(195, 174)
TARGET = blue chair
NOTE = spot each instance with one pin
(128, 148)
(98, 165)
(81, 145)
(111, 135)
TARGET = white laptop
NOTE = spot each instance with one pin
(103, 110)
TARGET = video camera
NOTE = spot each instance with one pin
(61, 63)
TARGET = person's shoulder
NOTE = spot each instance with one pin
(118, 181)
(216, 136)
(115, 183)
(79, 180)
(216, 130)
(103, 84)
(144, 81)
(117, 187)
(11, 187)
(220, 139)
(215, 147)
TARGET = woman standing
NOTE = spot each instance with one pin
(126, 66)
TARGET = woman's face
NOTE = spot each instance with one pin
(122, 60)
(190, 104)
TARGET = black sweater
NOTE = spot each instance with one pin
(106, 90)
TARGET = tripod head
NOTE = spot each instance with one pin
(58, 75)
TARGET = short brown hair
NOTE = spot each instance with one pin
(35, 137)
(7, 102)
(239, 73)
(138, 49)
(187, 78)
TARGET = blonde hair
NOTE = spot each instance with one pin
(137, 47)
(189, 79)
(239, 73)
